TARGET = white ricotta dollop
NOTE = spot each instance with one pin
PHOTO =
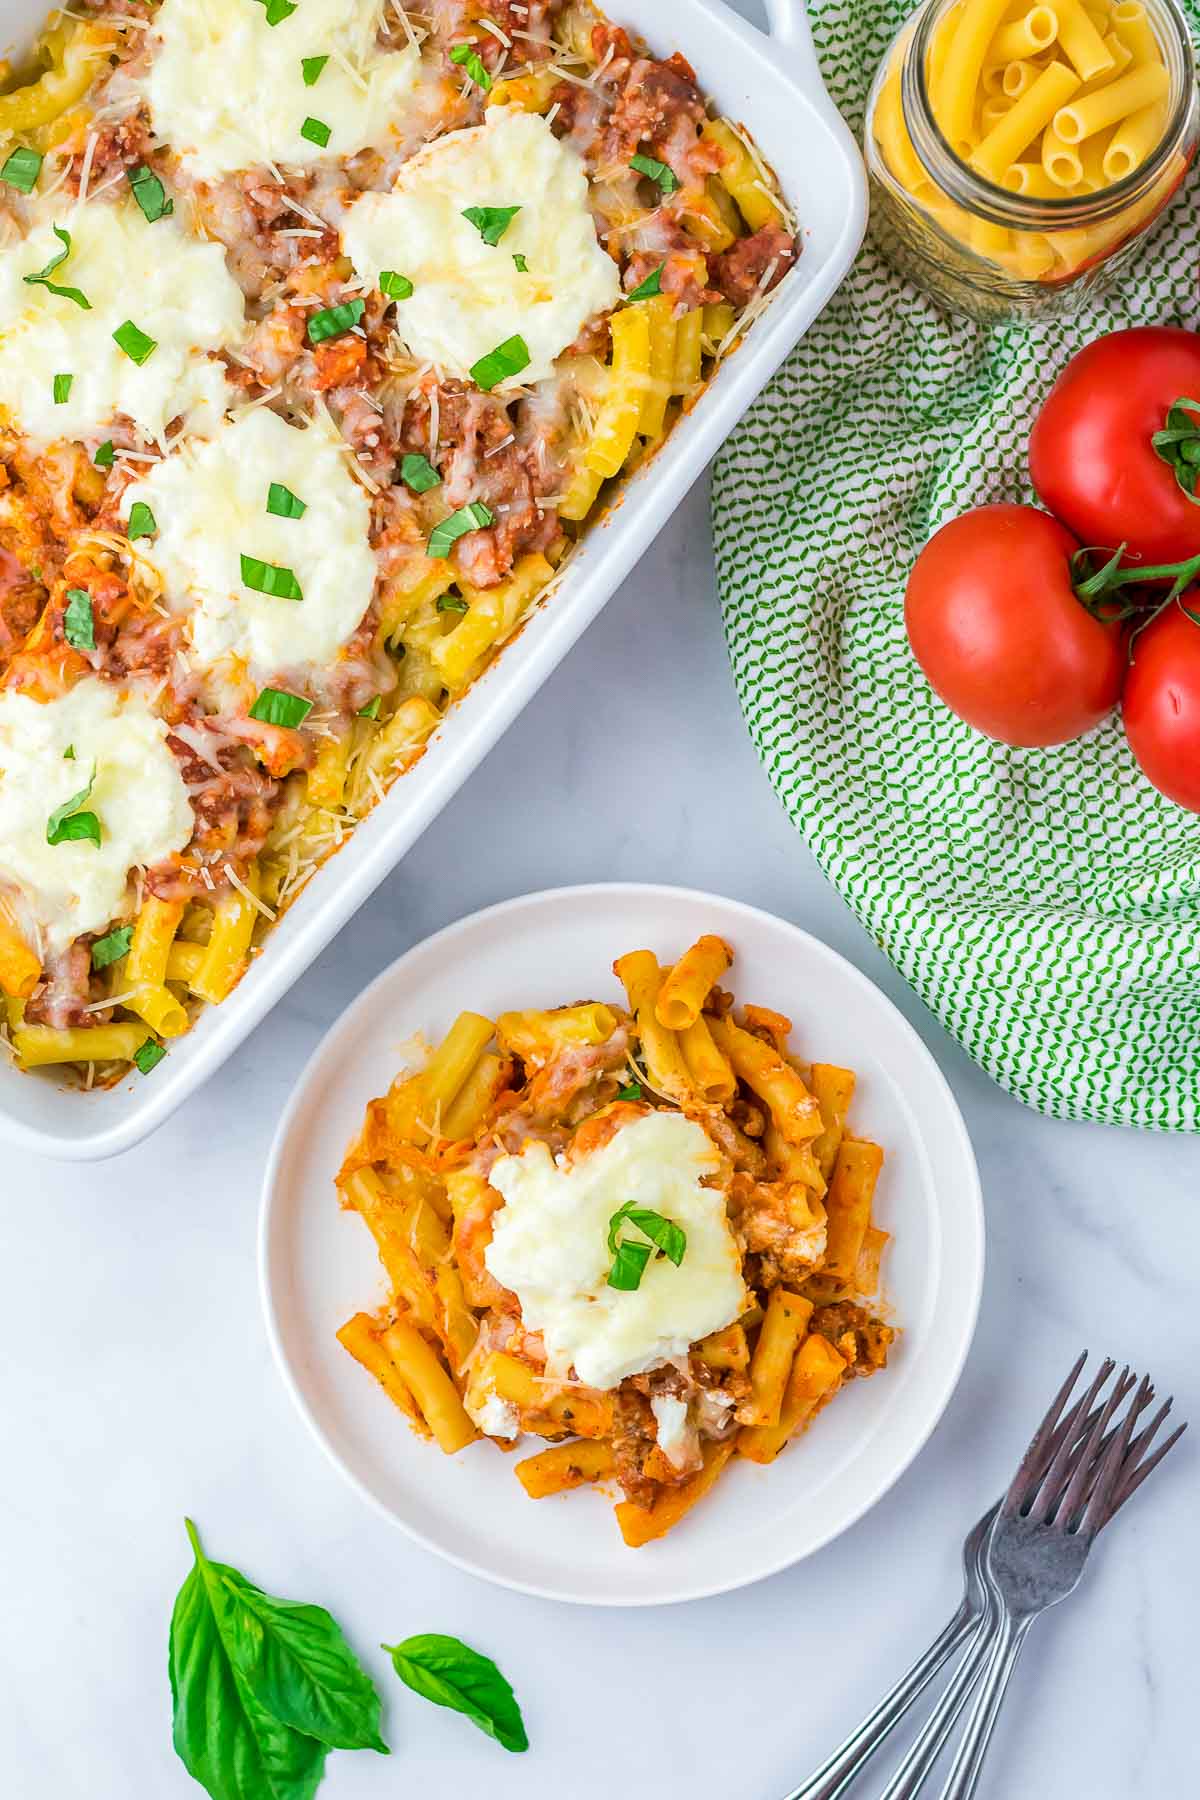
(138, 796)
(677, 1438)
(227, 88)
(496, 1417)
(174, 288)
(550, 1247)
(469, 296)
(209, 500)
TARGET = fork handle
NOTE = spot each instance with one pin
(835, 1775)
(968, 1758)
(923, 1753)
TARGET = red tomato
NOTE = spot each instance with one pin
(994, 623)
(1090, 453)
(1161, 704)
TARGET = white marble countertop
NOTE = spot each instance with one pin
(137, 1384)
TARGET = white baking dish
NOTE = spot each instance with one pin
(774, 86)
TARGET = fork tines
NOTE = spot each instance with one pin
(1083, 1464)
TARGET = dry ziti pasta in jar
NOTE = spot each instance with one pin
(1017, 150)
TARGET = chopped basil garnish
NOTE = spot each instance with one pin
(370, 710)
(632, 1092)
(283, 503)
(452, 603)
(270, 578)
(522, 265)
(467, 59)
(275, 707)
(79, 627)
(316, 131)
(335, 320)
(491, 222)
(630, 1259)
(142, 522)
(628, 1266)
(393, 286)
(67, 824)
(508, 358)
(42, 278)
(660, 172)
(311, 67)
(105, 455)
(137, 346)
(22, 168)
(112, 946)
(62, 388)
(149, 1056)
(150, 194)
(69, 753)
(419, 474)
(278, 10)
(474, 517)
(646, 290)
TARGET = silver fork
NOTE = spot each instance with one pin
(1048, 1521)
(1062, 1441)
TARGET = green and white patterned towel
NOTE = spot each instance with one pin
(1045, 904)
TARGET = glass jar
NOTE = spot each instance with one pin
(996, 232)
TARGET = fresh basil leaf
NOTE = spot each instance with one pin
(522, 265)
(105, 455)
(112, 946)
(334, 321)
(42, 278)
(646, 290)
(142, 522)
(312, 67)
(275, 579)
(316, 131)
(62, 389)
(632, 1092)
(491, 222)
(149, 1056)
(472, 64)
(270, 1660)
(450, 1673)
(629, 1265)
(419, 474)
(283, 503)
(393, 286)
(79, 625)
(659, 172)
(22, 168)
(475, 517)
(150, 194)
(137, 346)
(371, 709)
(508, 358)
(224, 1737)
(451, 603)
(278, 10)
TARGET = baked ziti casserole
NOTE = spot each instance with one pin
(642, 1233)
(323, 326)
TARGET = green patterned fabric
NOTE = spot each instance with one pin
(1045, 904)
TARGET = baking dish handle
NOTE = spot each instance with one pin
(789, 27)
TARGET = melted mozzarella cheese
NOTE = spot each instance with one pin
(469, 296)
(175, 288)
(550, 1247)
(138, 795)
(227, 88)
(209, 501)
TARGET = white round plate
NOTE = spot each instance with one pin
(318, 1264)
